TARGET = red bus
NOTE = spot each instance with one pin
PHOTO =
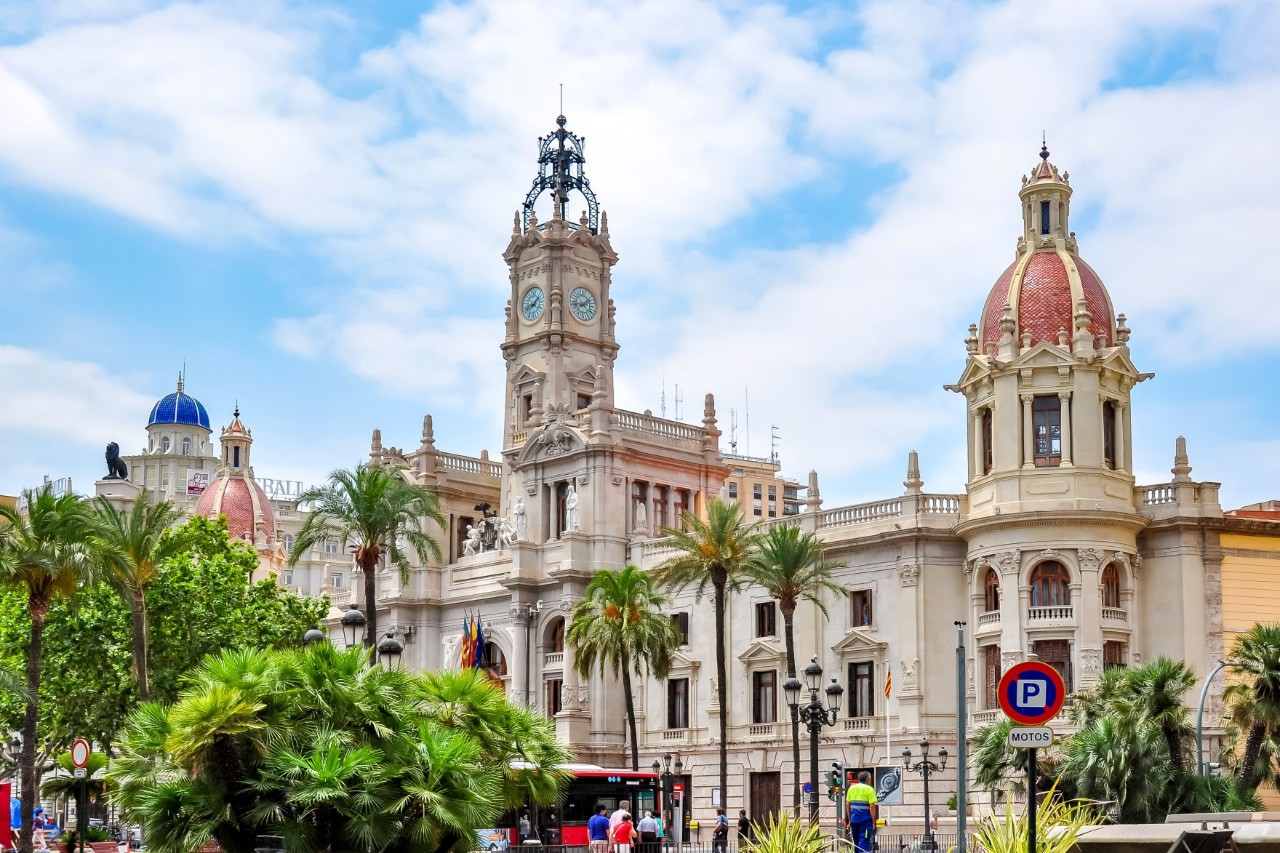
(591, 785)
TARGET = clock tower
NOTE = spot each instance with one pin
(559, 345)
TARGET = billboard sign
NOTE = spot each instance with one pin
(197, 481)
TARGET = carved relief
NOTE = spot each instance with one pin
(909, 671)
(1050, 554)
(1008, 659)
(568, 697)
(1091, 662)
(909, 574)
(1090, 559)
(584, 696)
(1008, 561)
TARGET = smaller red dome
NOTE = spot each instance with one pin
(1044, 289)
(240, 499)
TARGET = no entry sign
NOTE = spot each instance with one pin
(1031, 693)
(80, 752)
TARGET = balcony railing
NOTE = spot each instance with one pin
(860, 724)
(554, 659)
(680, 735)
(760, 730)
(981, 718)
(1057, 613)
(991, 617)
(1115, 614)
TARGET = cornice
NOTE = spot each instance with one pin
(1049, 518)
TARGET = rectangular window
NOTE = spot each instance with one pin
(990, 676)
(288, 578)
(773, 492)
(331, 547)
(764, 697)
(235, 457)
(755, 491)
(1046, 430)
(766, 619)
(773, 510)
(526, 406)
(862, 689)
(1044, 217)
(733, 490)
(988, 452)
(677, 703)
(862, 608)
(1109, 434)
(1113, 655)
(337, 580)
(584, 401)
(1057, 654)
(682, 625)
(758, 511)
(552, 705)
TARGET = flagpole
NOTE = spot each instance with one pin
(888, 744)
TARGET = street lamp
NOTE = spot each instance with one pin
(314, 635)
(925, 768)
(389, 650)
(353, 622)
(667, 780)
(815, 715)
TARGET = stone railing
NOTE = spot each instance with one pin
(860, 724)
(858, 513)
(1114, 614)
(1163, 493)
(990, 618)
(940, 504)
(468, 464)
(1047, 614)
(676, 735)
(553, 659)
(657, 426)
(760, 730)
(340, 597)
(981, 718)
(759, 460)
(518, 438)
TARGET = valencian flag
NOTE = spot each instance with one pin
(888, 682)
(468, 653)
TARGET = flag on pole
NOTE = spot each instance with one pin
(466, 655)
(477, 639)
(888, 682)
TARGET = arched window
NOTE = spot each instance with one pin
(555, 635)
(1110, 586)
(164, 444)
(288, 543)
(991, 590)
(494, 661)
(186, 446)
(988, 449)
(1109, 434)
(1050, 585)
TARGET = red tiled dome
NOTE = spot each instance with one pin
(1044, 288)
(230, 495)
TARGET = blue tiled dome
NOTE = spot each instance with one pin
(179, 408)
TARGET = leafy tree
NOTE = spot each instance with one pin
(718, 553)
(373, 509)
(47, 553)
(620, 626)
(333, 754)
(1253, 701)
(792, 568)
(134, 544)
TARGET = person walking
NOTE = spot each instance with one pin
(624, 835)
(598, 830)
(662, 830)
(720, 835)
(526, 828)
(624, 808)
(864, 810)
(648, 828)
(744, 828)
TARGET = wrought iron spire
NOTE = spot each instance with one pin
(560, 169)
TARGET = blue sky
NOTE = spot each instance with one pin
(305, 204)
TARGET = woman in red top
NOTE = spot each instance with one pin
(623, 834)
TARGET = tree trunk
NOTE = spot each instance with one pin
(1174, 741)
(39, 608)
(720, 578)
(631, 711)
(789, 633)
(1249, 777)
(370, 604)
(138, 605)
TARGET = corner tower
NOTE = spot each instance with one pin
(1051, 512)
(559, 344)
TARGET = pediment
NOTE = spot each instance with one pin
(557, 438)
(526, 374)
(1044, 354)
(1117, 359)
(857, 640)
(681, 662)
(763, 650)
(976, 370)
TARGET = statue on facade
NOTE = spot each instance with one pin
(520, 519)
(506, 534)
(571, 511)
(116, 469)
(472, 546)
(642, 519)
(488, 526)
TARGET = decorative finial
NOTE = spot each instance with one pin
(1044, 147)
(813, 497)
(428, 430)
(179, 382)
(560, 169)
(1181, 469)
(913, 482)
(236, 411)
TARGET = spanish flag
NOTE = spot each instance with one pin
(888, 682)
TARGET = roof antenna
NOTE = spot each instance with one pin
(561, 99)
(1044, 146)
(236, 413)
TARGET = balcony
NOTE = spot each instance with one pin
(860, 724)
(988, 619)
(982, 718)
(675, 736)
(553, 659)
(760, 730)
(1056, 614)
(1115, 615)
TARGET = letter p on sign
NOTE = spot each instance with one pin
(1032, 694)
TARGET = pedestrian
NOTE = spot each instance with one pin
(598, 830)
(864, 810)
(623, 809)
(744, 828)
(526, 828)
(662, 829)
(648, 829)
(624, 835)
(720, 835)
(38, 827)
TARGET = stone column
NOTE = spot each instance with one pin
(1122, 463)
(553, 509)
(1028, 438)
(1088, 602)
(521, 665)
(977, 456)
(1065, 398)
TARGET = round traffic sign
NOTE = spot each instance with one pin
(80, 752)
(1031, 693)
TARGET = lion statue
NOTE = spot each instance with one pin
(116, 469)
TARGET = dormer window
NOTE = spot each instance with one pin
(1046, 430)
(987, 448)
(1044, 217)
(235, 457)
(164, 444)
(1109, 434)
(186, 447)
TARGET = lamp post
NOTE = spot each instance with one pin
(389, 650)
(314, 635)
(353, 622)
(925, 768)
(1202, 769)
(815, 715)
(667, 780)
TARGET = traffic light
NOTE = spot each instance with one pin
(837, 767)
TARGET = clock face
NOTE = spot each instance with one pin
(532, 304)
(582, 303)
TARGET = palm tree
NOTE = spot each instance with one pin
(1254, 701)
(1154, 693)
(1122, 764)
(374, 510)
(716, 552)
(134, 546)
(48, 550)
(620, 624)
(792, 568)
(68, 786)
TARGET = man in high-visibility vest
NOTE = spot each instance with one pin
(864, 810)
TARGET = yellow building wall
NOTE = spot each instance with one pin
(1250, 583)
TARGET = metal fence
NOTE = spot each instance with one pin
(885, 842)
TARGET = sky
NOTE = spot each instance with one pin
(304, 204)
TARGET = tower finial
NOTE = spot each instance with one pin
(1044, 146)
(236, 413)
(180, 378)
